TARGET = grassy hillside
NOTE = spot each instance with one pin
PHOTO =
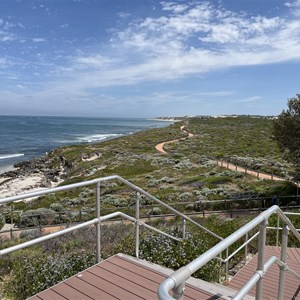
(186, 175)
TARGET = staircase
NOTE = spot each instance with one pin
(128, 278)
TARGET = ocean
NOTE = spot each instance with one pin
(23, 138)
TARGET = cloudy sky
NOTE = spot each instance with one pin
(147, 58)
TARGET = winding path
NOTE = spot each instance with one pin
(225, 164)
(258, 174)
(160, 147)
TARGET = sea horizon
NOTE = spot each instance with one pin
(26, 137)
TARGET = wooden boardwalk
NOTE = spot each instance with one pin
(271, 279)
(124, 277)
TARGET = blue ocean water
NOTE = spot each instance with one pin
(23, 137)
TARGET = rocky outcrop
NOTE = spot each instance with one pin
(41, 165)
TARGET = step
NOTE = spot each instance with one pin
(126, 277)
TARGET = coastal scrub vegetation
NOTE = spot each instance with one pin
(287, 132)
(187, 178)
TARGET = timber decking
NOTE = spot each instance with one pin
(117, 278)
(271, 279)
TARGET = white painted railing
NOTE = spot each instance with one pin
(176, 281)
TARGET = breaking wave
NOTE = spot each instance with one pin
(5, 156)
(97, 137)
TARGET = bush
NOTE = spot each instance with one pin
(2, 221)
(34, 271)
(164, 251)
(58, 207)
(36, 217)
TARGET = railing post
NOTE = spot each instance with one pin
(137, 225)
(261, 258)
(183, 228)
(227, 264)
(277, 231)
(178, 292)
(98, 225)
(285, 232)
(246, 246)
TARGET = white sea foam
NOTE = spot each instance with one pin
(5, 156)
(97, 137)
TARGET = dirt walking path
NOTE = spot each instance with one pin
(259, 175)
(225, 164)
(160, 147)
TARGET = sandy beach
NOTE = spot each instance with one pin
(22, 184)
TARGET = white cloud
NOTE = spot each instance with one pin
(249, 99)
(39, 40)
(183, 40)
(6, 36)
(96, 61)
(295, 3)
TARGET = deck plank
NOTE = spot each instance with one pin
(88, 289)
(48, 295)
(69, 293)
(117, 278)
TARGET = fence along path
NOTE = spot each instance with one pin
(225, 164)
(259, 175)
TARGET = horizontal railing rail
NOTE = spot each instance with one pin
(259, 274)
(99, 218)
(176, 281)
(98, 181)
(249, 240)
(80, 226)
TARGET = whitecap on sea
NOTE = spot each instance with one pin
(6, 156)
(97, 137)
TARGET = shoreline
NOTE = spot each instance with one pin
(29, 176)
(35, 174)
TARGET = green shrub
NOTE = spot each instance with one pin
(36, 217)
(2, 221)
(33, 271)
(58, 207)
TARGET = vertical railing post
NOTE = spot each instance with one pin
(277, 231)
(183, 228)
(285, 232)
(137, 225)
(227, 264)
(178, 292)
(98, 225)
(261, 258)
(246, 246)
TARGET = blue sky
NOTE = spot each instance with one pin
(146, 58)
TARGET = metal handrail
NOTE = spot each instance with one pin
(258, 274)
(99, 218)
(80, 226)
(176, 280)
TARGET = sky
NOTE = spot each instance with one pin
(147, 58)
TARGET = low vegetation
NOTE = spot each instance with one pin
(188, 178)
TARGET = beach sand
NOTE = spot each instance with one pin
(20, 185)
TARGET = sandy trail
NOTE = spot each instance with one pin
(259, 175)
(225, 164)
(160, 147)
